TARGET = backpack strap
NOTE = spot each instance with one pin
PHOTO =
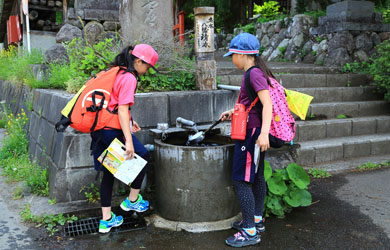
(251, 92)
(95, 108)
(273, 141)
(62, 124)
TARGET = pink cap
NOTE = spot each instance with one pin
(146, 53)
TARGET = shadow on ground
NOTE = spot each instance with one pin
(330, 223)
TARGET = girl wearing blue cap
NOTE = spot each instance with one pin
(249, 181)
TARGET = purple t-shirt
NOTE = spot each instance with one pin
(258, 82)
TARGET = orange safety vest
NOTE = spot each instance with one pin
(88, 110)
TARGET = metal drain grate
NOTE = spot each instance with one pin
(91, 226)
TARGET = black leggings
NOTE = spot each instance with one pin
(108, 182)
(251, 196)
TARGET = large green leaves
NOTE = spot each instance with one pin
(275, 204)
(267, 170)
(287, 188)
(276, 185)
(298, 175)
(299, 197)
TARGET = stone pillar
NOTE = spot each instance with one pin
(150, 22)
(206, 67)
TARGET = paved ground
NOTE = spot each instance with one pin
(350, 211)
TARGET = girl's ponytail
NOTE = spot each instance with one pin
(259, 62)
(126, 60)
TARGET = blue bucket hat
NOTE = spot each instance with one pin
(244, 43)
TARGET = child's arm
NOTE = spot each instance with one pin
(124, 119)
(263, 139)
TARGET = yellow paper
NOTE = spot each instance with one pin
(298, 102)
(124, 170)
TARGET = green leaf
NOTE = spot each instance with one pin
(275, 204)
(267, 170)
(298, 175)
(300, 197)
(276, 185)
(282, 173)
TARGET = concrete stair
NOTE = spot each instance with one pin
(322, 140)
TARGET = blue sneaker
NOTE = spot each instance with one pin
(140, 205)
(242, 239)
(105, 226)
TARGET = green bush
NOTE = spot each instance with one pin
(282, 51)
(379, 68)
(319, 173)
(249, 28)
(14, 159)
(88, 60)
(287, 188)
(16, 142)
(15, 66)
(179, 77)
(269, 9)
(355, 67)
(386, 16)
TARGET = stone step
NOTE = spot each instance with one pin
(226, 67)
(349, 164)
(329, 110)
(323, 129)
(341, 94)
(336, 149)
(307, 80)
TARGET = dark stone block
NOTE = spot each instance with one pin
(94, 14)
(46, 103)
(222, 101)
(76, 179)
(46, 136)
(97, 4)
(36, 95)
(58, 184)
(150, 109)
(35, 122)
(58, 102)
(58, 153)
(192, 105)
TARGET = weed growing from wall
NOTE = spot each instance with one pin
(14, 158)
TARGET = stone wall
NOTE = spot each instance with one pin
(291, 39)
(67, 155)
(93, 21)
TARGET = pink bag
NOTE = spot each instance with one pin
(283, 123)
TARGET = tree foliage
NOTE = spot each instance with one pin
(228, 13)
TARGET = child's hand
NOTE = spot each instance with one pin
(135, 128)
(263, 141)
(227, 115)
(129, 153)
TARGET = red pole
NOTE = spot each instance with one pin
(181, 28)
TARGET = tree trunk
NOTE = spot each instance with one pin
(243, 19)
(250, 8)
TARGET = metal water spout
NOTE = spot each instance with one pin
(184, 123)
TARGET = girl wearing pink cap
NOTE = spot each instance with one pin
(135, 62)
